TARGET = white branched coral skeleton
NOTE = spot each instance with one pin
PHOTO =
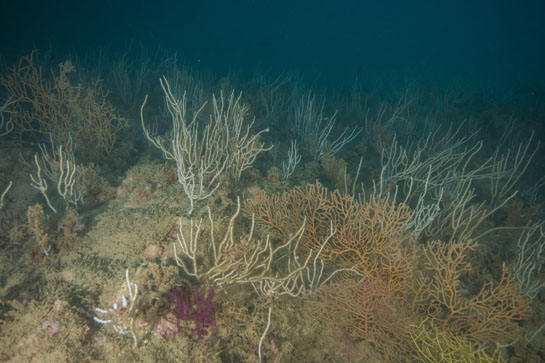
(233, 260)
(121, 317)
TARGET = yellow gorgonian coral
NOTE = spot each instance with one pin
(431, 345)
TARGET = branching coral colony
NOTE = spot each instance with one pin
(59, 108)
(202, 155)
(195, 307)
(122, 314)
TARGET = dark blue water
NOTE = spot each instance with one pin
(494, 40)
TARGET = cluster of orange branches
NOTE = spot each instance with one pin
(363, 311)
(402, 282)
(373, 237)
(52, 105)
(489, 315)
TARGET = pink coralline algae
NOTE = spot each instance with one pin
(164, 328)
(195, 307)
